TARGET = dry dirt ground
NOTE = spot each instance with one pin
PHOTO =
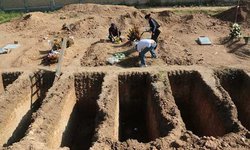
(191, 97)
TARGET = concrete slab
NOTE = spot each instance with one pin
(203, 40)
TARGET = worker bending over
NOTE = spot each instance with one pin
(143, 46)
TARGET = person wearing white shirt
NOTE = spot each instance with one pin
(144, 46)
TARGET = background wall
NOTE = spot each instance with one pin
(30, 5)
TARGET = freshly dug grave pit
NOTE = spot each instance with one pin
(81, 125)
(140, 115)
(8, 78)
(237, 84)
(40, 84)
(197, 104)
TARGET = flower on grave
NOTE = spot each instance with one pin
(235, 31)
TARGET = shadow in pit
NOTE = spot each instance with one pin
(23, 125)
(200, 108)
(237, 84)
(80, 129)
(140, 114)
(40, 84)
(9, 78)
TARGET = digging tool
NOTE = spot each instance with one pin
(143, 33)
(134, 34)
(237, 9)
(59, 65)
(1, 85)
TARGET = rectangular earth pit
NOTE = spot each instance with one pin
(237, 84)
(197, 104)
(81, 125)
(8, 78)
(139, 111)
(40, 83)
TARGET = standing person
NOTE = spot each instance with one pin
(154, 27)
(113, 32)
(143, 46)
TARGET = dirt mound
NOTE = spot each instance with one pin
(198, 22)
(167, 16)
(97, 9)
(176, 54)
(97, 55)
(31, 21)
(91, 23)
(95, 19)
(34, 24)
(235, 14)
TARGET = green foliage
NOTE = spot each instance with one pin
(157, 3)
(235, 31)
(199, 10)
(7, 16)
(134, 34)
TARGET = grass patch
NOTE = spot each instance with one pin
(7, 16)
(195, 11)
(190, 10)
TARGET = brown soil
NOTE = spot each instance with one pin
(190, 97)
(242, 13)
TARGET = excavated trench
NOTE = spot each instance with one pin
(81, 125)
(197, 104)
(7, 79)
(237, 84)
(140, 115)
(40, 84)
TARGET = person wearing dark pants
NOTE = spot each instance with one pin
(155, 35)
(154, 27)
